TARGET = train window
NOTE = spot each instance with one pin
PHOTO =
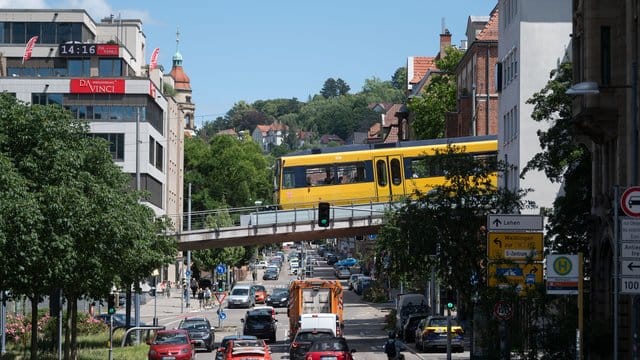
(381, 170)
(396, 176)
(352, 173)
(490, 160)
(422, 167)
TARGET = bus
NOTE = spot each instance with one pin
(368, 173)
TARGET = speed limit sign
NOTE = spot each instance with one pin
(503, 310)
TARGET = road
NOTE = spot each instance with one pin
(364, 322)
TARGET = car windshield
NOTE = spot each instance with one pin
(280, 292)
(442, 322)
(170, 338)
(310, 336)
(194, 325)
(259, 319)
(330, 345)
(240, 292)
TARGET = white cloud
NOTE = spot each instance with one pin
(97, 9)
(23, 4)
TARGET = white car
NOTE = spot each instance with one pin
(294, 264)
(352, 280)
(260, 264)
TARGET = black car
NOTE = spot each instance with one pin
(200, 331)
(303, 340)
(270, 275)
(408, 333)
(260, 324)
(279, 297)
(332, 259)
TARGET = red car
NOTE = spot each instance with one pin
(172, 344)
(247, 349)
(261, 294)
(334, 348)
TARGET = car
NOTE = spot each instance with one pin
(270, 275)
(242, 296)
(332, 259)
(247, 349)
(261, 293)
(432, 334)
(272, 267)
(225, 340)
(260, 264)
(334, 348)
(343, 273)
(348, 262)
(352, 280)
(279, 297)
(260, 324)
(171, 344)
(408, 332)
(363, 283)
(119, 320)
(267, 309)
(303, 340)
(200, 331)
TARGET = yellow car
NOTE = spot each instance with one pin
(432, 334)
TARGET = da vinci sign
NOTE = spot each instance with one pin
(97, 86)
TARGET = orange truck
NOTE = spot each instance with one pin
(314, 296)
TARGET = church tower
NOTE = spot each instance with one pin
(182, 87)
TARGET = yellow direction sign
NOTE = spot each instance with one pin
(515, 246)
(520, 275)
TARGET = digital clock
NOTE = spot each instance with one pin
(82, 50)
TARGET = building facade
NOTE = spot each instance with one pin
(98, 71)
(477, 97)
(605, 42)
(534, 38)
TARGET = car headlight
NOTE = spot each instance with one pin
(184, 350)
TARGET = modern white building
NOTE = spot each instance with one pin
(534, 38)
(98, 71)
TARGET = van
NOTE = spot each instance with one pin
(321, 321)
(407, 304)
(242, 296)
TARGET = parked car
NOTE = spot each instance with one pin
(348, 262)
(242, 296)
(303, 340)
(200, 331)
(279, 297)
(334, 348)
(171, 344)
(352, 280)
(261, 324)
(408, 332)
(260, 264)
(331, 259)
(225, 340)
(432, 334)
(361, 284)
(343, 273)
(270, 275)
(267, 309)
(261, 293)
(247, 349)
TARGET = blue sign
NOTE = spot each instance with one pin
(222, 315)
(221, 269)
(509, 272)
(187, 273)
(530, 279)
(373, 236)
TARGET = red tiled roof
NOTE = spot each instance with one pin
(374, 130)
(392, 137)
(491, 30)
(182, 81)
(263, 128)
(421, 64)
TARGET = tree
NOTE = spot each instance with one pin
(376, 90)
(342, 87)
(438, 98)
(399, 79)
(563, 159)
(329, 89)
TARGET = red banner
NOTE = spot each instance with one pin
(108, 50)
(29, 48)
(154, 59)
(97, 86)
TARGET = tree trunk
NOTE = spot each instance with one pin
(74, 327)
(67, 331)
(34, 326)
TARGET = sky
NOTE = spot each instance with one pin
(248, 50)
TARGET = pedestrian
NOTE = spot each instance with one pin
(194, 287)
(200, 294)
(254, 275)
(168, 294)
(207, 297)
(393, 347)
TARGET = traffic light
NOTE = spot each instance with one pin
(324, 214)
(111, 304)
(220, 285)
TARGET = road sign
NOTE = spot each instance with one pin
(187, 273)
(503, 310)
(510, 222)
(221, 269)
(515, 274)
(629, 285)
(514, 246)
(630, 201)
(630, 250)
(629, 229)
(630, 268)
(220, 296)
(222, 315)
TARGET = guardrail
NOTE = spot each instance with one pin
(137, 328)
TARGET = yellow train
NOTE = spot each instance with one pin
(360, 174)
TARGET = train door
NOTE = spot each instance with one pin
(389, 178)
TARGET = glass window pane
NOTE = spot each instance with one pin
(64, 32)
(396, 177)
(159, 156)
(76, 32)
(18, 33)
(119, 147)
(48, 34)
(381, 170)
(5, 31)
(152, 148)
(33, 29)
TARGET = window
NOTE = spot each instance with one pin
(110, 67)
(316, 175)
(78, 67)
(46, 99)
(396, 176)
(116, 145)
(18, 33)
(381, 171)
(156, 153)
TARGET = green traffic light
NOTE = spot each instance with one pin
(112, 311)
(450, 305)
(323, 221)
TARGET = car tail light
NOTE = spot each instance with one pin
(308, 357)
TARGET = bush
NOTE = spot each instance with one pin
(390, 320)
